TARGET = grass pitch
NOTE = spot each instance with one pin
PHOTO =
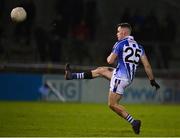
(48, 119)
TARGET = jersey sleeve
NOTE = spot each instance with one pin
(142, 50)
(116, 48)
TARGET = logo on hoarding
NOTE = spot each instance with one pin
(63, 90)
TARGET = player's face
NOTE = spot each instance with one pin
(121, 33)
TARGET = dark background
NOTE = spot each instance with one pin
(83, 32)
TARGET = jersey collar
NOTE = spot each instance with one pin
(127, 37)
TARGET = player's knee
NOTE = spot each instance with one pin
(115, 107)
(100, 70)
(111, 106)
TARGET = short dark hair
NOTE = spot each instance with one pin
(125, 25)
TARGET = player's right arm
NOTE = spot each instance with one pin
(111, 58)
(149, 71)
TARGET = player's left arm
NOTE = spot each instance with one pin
(149, 71)
(111, 58)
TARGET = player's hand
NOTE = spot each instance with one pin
(154, 84)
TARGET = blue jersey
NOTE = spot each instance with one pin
(129, 53)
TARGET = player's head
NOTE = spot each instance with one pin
(123, 30)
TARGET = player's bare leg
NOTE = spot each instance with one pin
(105, 72)
(113, 103)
